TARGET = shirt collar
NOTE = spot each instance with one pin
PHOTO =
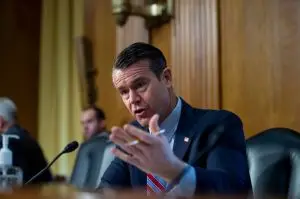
(171, 122)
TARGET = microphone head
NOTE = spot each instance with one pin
(72, 146)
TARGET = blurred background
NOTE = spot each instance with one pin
(238, 55)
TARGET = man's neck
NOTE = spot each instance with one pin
(173, 102)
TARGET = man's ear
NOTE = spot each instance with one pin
(166, 77)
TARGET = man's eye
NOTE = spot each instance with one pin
(123, 92)
(140, 85)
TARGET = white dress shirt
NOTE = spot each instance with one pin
(187, 185)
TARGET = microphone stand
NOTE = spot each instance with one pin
(69, 148)
(43, 170)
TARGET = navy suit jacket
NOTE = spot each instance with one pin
(216, 149)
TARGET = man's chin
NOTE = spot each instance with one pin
(143, 121)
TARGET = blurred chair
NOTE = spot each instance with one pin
(93, 158)
(274, 163)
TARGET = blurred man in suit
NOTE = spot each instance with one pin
(201, 151)
(27, 153)
(93, 122)
(94, 154)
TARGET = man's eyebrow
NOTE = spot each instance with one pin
(121, 88)
(139, 79)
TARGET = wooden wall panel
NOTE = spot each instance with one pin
(108, 40)
(133, 31)
(161, 38)
(260, 62)
(100, 30)
(194, 52)
(19, 57)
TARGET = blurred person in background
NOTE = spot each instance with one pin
(93, 122)
(27, 154)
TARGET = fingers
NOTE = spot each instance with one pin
(131, 133)
(153, 124)
(123, 156)
(139, 134)
(137, 151)
(142, 135)
(119, 136)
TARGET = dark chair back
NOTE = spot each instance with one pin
(274, 162)
(93, 158)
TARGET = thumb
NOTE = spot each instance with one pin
(153, 124)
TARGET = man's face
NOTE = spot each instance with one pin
(142, 92)
(91, 125)
(2, 124)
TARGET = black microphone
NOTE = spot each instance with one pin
(72, 146)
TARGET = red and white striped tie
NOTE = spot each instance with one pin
(153, 185)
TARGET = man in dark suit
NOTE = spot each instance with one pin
(200, 151)
(27, 153)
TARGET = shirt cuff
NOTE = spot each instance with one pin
(186, 186)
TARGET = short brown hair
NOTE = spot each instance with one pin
(142, 51)
(100, 115)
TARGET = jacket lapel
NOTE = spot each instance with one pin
(141, 177)
(185, 130)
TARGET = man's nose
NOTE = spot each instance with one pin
(134, 97)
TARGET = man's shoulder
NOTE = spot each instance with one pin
(102, 138)
(211, 115)
(25, 142)
(103, 134)
(21, 132)
(216, 114)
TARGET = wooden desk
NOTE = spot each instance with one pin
(61, 191)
